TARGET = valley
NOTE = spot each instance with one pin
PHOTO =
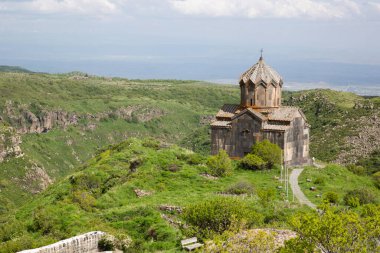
(75, 149)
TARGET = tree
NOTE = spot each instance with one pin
(220, 165)
(336, 231)
(269, 152)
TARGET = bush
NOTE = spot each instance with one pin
(195, 159)
(358, 170)
(106, 244)
(319, 180)
(269, 152)
(266, 196)
(252, 162)
(364, 196)
(376, 178)
(220, 165)
(217, 215)
(331, 197)
(242, 187)
(85, 200)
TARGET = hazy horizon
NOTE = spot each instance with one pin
(309, 42)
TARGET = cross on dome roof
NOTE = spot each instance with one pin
(261, 72)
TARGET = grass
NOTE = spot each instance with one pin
(61, 150)
(108, 202)
(333, 178)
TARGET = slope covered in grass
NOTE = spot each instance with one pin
(337, 179)
(101, 196)
(62, 120)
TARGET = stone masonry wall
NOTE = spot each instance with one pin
(86, 243)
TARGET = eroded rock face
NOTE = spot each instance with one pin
(9, 143)
(362, 144)
(25, 121)
(36, 179)
(30, 123)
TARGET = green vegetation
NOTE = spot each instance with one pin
(220, 165)
(337, 180)
(108, 110)
(252, 162)
(241, 187)
(96, 186)
(101, 195)
(13, 69)
(219, 215)
(333, 115)
(336, 231)
(270, 153)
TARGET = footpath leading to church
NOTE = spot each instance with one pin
(293, 180)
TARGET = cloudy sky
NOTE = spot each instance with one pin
(319, 42)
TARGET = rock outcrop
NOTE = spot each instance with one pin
(42, 120)
(36, 179)
(9, 143)
(363, 143)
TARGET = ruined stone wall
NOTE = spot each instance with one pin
(86, 243)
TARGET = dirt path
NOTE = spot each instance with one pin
(293, 180)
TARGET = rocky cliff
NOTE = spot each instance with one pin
(9, 142)
(24, 120)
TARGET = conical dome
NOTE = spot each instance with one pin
(260, 86)
(261, 72)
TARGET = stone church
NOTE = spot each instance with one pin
(260, 116)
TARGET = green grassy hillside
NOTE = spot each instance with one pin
(14, 69)
(107, 111)
(59, 121)
(101, 196)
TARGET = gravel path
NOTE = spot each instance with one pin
(293, 180)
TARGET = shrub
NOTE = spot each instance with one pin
(331, 197)
(85, 200)
(269, 152)
(151, 143)
(242, 187)
(195, 159)
(220, 165)
(334, 230)
(376, 178)
(358, 170)
(106, 244)
(352, 201)
(319, 180)
(364, 196)
(266, 196)
(217, 215)
(252, 162)
(248, 241)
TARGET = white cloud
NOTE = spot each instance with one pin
(269, 8)
(80, 6)
(91, 7)
(376, 6)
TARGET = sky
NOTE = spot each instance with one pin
(311, 43)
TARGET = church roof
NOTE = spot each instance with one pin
(251, 111)
(227, 111)
(285, 113)
(261, 72)
(223, 124)
(271, 127)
